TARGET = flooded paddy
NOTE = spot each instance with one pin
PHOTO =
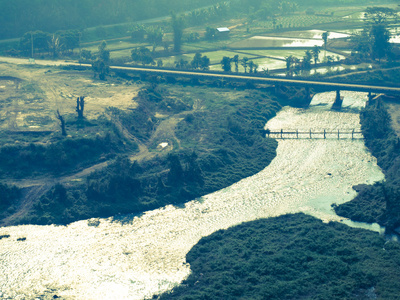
(311, 34)
(275, 42)
(131, 257)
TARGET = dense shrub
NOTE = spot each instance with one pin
(219, 145)
(379, 202)
(291, 257)
(58, 157)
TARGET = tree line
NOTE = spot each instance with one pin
(21, 16)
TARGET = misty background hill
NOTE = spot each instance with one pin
(20, 16)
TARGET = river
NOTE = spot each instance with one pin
(138, 256)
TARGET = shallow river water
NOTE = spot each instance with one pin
(143, 255)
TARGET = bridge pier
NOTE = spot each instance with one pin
(308, 97)
(338, 101)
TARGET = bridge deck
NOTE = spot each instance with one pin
(295, 134)
(260, 79)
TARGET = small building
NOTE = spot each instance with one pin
(222, 32)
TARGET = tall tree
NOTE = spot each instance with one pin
(380, 37)
(244, 62)
(379, 15)
(315, 53)
(306, 65)
(235, 59)
(178, 25)
(55, 46)
(62, 123)
(80, 106)
(101, 64)
(325, 36)
(226, 64)
(155, 36)
(289, 65)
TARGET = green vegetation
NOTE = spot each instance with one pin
(388, 77)
(217, 140)
(291, 257)
(379, 202)
(58, 157)
(52, 15)
(8, 198)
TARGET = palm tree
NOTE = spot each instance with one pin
(289, 62)
(325, 38)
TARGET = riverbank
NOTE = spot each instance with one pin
(191, 141)
(137, 256)
(291, 257)
(378, 203)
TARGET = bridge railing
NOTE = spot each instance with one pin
(314, 134)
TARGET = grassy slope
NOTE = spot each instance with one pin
(291, 257)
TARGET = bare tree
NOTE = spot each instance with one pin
(62, 125)
(80, 105)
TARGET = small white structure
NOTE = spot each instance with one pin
(223, 30)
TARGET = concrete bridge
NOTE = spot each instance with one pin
(335, 86)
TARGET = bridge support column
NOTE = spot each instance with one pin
(338, 101)
(370, 98)
(308, 95)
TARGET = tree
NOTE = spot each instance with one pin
(55, 46)
(205, 63)
(325, 36)
(289, 65)
(255, 66)
(35, 41)
(226, 64)
(196, 62)
(142, 55)
(62, 123)
(315, 53)
(193, 173)
(380, 38)
(361, 43)
(80, 105)
(178, 24)
(235, 59)
(175, 174)
(379, 15)
(244, 63)
(104, 54)
(155, 36)
(251, 66)
(181, 64)
(138, 32)
(210, 34)
(86, 54)
(69, 39)
(101, 64)
(373, 42)
(306, 65)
